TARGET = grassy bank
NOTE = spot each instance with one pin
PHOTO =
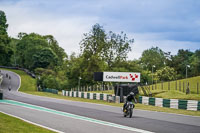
(178, 85)
(10, 124)
(27, 82)
(173, 94)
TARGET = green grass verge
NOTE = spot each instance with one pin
(179, 85)
(27, 82)
(173, 95)
(10, 124)
(138, 106)
(178, 95)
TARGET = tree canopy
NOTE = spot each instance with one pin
(5, 50)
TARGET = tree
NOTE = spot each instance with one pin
(117, 48)
(5, 50)
(93, 50)
(34, 50)
(180, 61)
(146, 77)
(28, 45)
(101, 51)
(166, 74)
(43, 58)
(53, 44)
(94, 42)
(50, 81)
(153, 57)
(3, 25)
(195, 63)
(73, 70)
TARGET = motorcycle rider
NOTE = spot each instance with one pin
(130, 97)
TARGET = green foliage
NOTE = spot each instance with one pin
(146, 77)
(101, 52)
(94, 42)
(3, 25)
(41, 71)
(195, 63)
(74, 70)
(5, 50)
(33, 51)
(5, 55)
(60, 53)
(166, 74)
(93, 48)
(50, 79)
(180, 61)
(117, 48)
(153, 57)
(43, 58)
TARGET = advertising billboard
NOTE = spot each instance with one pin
(121, 76)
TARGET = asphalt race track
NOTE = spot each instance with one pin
(79, 117)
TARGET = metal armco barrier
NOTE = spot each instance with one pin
(54, 91)
(171, 103)
(23, 69)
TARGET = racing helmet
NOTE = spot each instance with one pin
(131, 93)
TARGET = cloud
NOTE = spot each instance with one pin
(170, 25)
(67, 30)
(166, 45)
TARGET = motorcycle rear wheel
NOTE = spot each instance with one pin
(130, 113)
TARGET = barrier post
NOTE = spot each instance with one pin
(168, 85)
(188, 88)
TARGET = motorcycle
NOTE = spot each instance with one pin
(128, 111)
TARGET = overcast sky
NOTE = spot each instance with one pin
(168, 24)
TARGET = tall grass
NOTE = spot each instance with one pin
(179, 85)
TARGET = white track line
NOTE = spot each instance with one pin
(33, 123)
(78, 117)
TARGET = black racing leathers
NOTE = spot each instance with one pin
(129, 98)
